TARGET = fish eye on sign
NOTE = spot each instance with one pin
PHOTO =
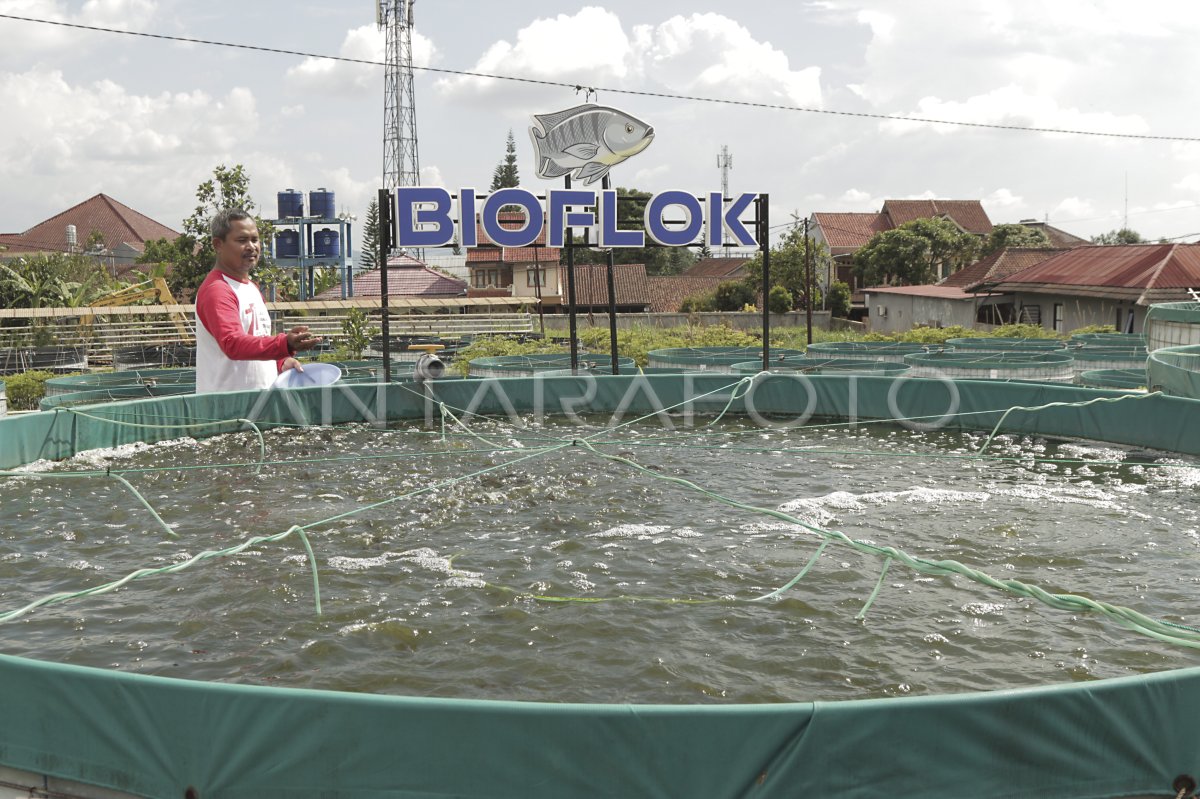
(427, 216)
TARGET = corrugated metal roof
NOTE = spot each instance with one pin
(1147, 272)
(999, 265)
(942, 292)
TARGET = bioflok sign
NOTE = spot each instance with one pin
(583, 142)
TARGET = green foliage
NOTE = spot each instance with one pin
(1021, 331)
(192, 254)
(918, 252)
(779, 300)
(358, 332)
(698, 303)
(324, 278)
(25, 391)
(788, 267)
(369, 240)
(51, 280)
(636, 342)
(505, 176)
(494, 346)
(1079, 331)
(839, 299)
(1120, 236)
(733, 295)
(1014, 235)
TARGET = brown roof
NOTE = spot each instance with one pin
(999, 265)
(845, 233)
(512, 220)
(967, 214)
(630, 284)
(941, 291)
(512, 255)
(1146, 273)
(403, 281)
(1058, 238)
(117, 222)
(667, 292)
(728, 268)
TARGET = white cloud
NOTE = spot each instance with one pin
(118, 13)
(364, 43)
(1012, 105)
(855, 196)
(1072, 208)
(25, 40)
(1002, 200)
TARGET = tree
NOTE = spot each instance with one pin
(788, 268)
(1120, 236)
(368, 246)
(1014, 235)
(505, 176)
(733, 295)
(839, 299)
(192, 254)
(779, 300)
(918, 252)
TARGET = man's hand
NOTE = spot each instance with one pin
(299, 339)
(291, 363)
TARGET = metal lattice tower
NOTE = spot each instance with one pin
(725, 163)
(401, 164)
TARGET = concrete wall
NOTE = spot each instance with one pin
(1082, 311)
(749, 322)
(906, 311)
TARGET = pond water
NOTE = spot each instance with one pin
(446, 592)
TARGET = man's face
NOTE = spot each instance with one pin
(238, 252)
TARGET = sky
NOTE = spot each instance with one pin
(795, 89)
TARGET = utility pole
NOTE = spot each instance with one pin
(808, 286)
(725, 163)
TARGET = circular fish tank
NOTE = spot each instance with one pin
(1113, 378)
(891, 351)
(551, 363)
(818, 366)
(711, 359)
(693, 585)
(986, 344)
(984, 365)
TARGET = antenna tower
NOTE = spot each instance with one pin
(725, 163)
(401, 165)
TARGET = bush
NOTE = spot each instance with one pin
(358, 333)
(779, 300)
(733, 295)
(839, 299)
(492, 346)
(1023, 331)
(698, 303)
(26, 390)
(1080, 331)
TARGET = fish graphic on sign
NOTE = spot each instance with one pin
(586, 141)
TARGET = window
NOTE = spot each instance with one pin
(1117, 324)
(485, 278)
(1030, 315)
(1058, 317)
(535, 277)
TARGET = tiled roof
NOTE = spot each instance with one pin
(727, 268)
(512, 220)
(1144, 272)
(630, 284)
(845, 233)
(513, 255)
(969, 214)
(667, 292)
(117, 222)
(999, 265)
(405, 281)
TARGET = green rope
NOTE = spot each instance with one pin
(996, 429)
(262, 444)
(140, 573)
(113, 475)
(862, 614)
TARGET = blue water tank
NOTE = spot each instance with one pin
(321, 205)
(291, 203)
(326, 244)
(287, 244)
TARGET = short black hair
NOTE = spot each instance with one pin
(223, 221)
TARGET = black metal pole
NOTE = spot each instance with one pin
(764, 242)
(385, 247)
(571, 330)
(808, 286)
(612, 298)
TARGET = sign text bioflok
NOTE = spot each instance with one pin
(424, 218)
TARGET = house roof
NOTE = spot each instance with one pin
(117, 222)
(1146, 273)
(511, 220)
(941, 292)
(999, 265)
(846, 232)
(667, 292)
(403, 281)
(717, 267)
(630, 284)
(478, 256)
(1058, 238)
(968, 214)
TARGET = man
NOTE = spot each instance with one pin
(235, 350)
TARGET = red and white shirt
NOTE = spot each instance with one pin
(235, 350)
